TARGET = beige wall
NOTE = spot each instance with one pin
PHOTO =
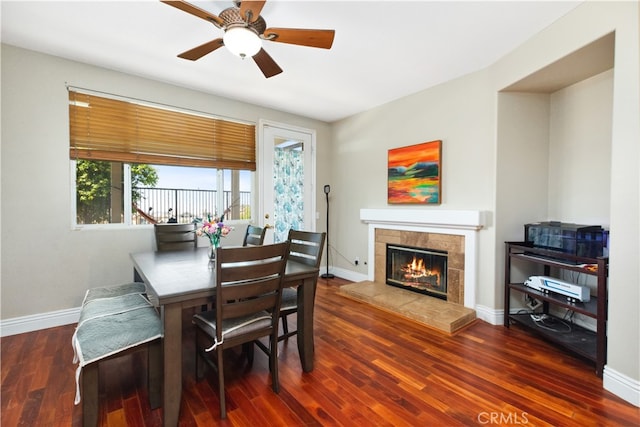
(580, 151)
(460, 114)
(47, 266)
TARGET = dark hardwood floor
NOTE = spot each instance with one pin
(371, 369)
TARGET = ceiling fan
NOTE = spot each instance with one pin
(244, 31)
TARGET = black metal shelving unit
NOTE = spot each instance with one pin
(581, 341)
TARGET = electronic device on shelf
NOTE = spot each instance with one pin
(573, 239)
(547, 284)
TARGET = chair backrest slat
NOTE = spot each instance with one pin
(306, 247)
(254, 236)
(240, 308)
(253, 274)
(171, 237)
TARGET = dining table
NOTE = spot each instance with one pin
(176, 280)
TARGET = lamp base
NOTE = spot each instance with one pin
(327, 276)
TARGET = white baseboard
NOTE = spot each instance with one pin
(621, 385)
(489, 315)
(20, 325)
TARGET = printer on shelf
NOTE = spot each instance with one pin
(547, 284)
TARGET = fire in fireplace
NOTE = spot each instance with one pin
(416, 269)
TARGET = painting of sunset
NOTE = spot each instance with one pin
(414, 174)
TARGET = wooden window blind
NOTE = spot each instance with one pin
(115, 130)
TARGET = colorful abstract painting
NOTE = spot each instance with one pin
(414, 174)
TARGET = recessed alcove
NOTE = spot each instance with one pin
(557, 121)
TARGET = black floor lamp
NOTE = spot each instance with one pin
(327, 188)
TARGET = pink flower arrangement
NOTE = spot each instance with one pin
(214, 230)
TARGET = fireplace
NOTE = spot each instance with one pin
(417, 269)
(456, 232)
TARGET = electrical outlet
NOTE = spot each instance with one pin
(357, 261)
(532, 303)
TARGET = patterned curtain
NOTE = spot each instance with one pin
(288, 170)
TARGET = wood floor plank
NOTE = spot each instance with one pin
(133, 409)
(31, 408)
(371, 369)
(116, 418)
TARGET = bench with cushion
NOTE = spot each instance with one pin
(114, 321)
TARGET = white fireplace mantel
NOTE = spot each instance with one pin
(466, 223)
(471, 220)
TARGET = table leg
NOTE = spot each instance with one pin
(172, 346)
(90, 407)
(154, 373)
(306, 296)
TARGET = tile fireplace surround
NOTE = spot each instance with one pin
(452, 231)
(384, 223)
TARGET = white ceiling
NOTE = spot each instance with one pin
(383, 50)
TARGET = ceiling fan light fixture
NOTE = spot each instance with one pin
(242, 41)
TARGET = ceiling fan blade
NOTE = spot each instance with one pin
(202, 50)
(312, 38)
(254, 6)
(194, 10)
(266, 64)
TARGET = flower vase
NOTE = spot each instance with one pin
(215, 244)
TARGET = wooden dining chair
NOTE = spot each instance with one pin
(304, 247)
(248, 294)
(172, 237)
(254, 236)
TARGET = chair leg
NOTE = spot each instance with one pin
(247, 348)
(199, 358)
(285, 324)
(90, 395)
(223, 409)
(273, 362)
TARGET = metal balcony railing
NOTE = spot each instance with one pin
(166, 204)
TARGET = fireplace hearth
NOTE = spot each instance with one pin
(452, 232)
(419, 270)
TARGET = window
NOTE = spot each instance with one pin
(141, 164)
(158, 193)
